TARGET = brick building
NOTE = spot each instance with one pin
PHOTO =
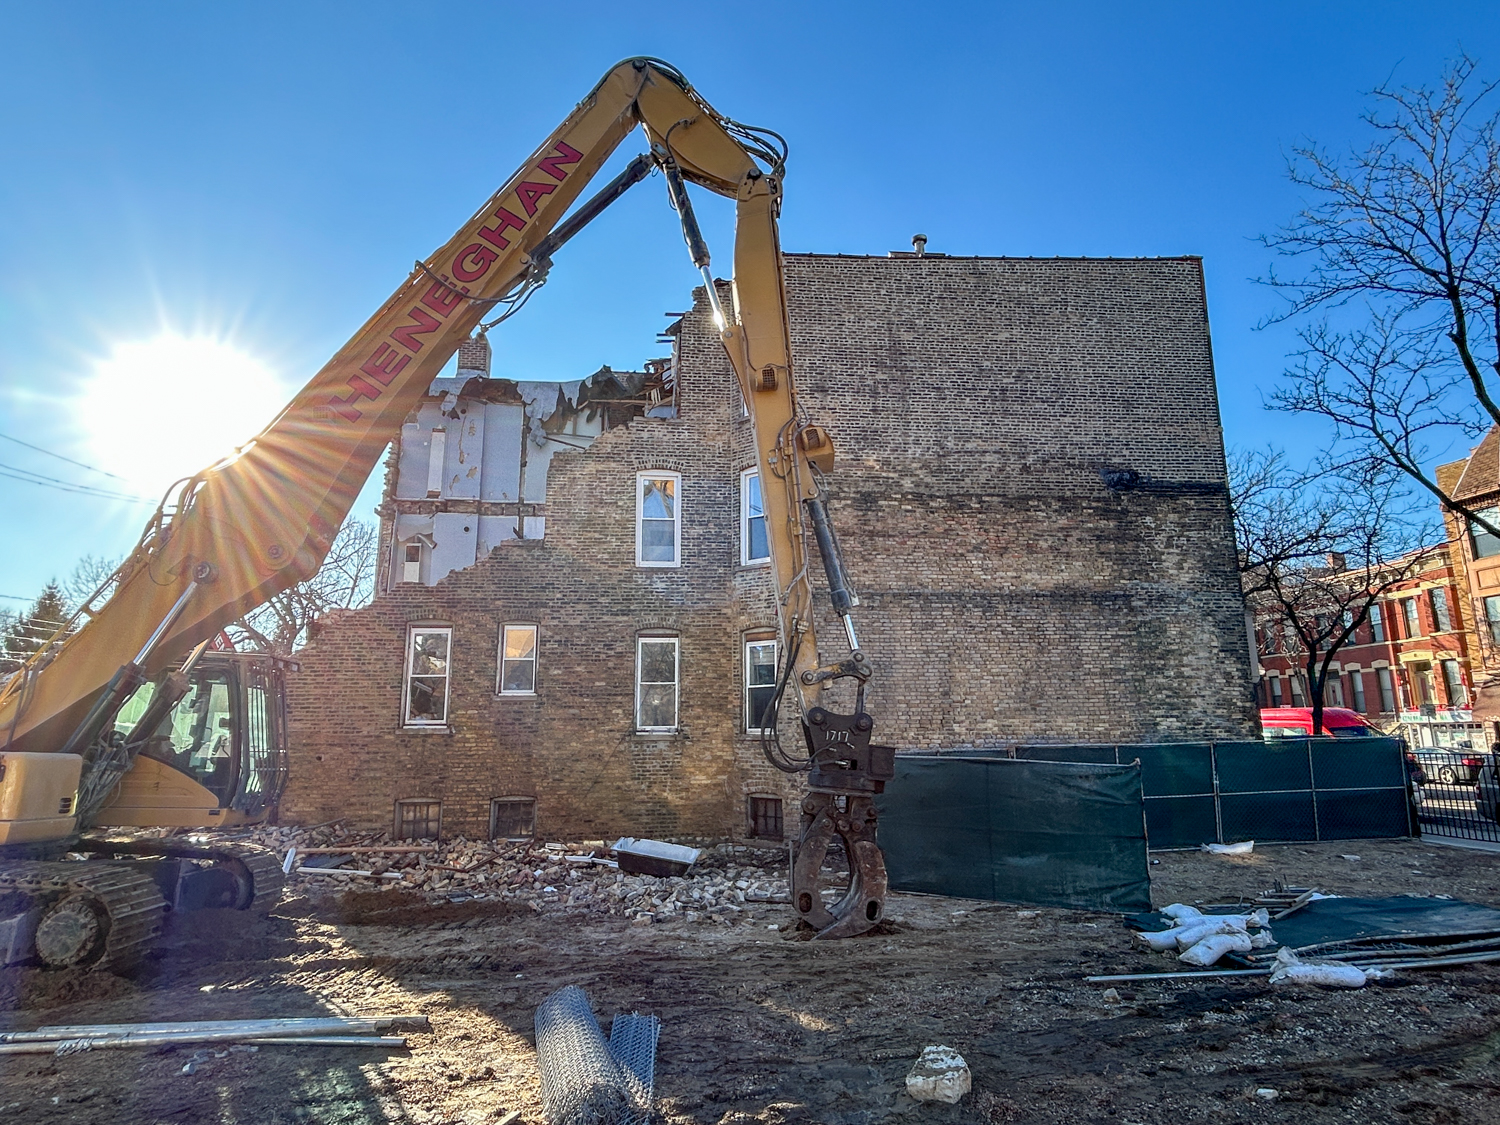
(1475, 482)
(1407, 668)
(1032, 499)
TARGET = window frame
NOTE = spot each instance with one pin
(1411, 618)
(1377, 624)
(402, 802)
(407, 720)
(747, 686)
(535, 661)
(640, 642)
(1275, 690)
(1385, 684)
(746, 558)
(1453, 683)
(1442, 609)
(518, 799)
(1357, 690)
(766, 801)
(640, 518)
(1482, 544)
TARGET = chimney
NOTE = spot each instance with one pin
(919, 244)
(474, 357)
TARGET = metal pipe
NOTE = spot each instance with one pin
(287, 1025)
(74, 1046)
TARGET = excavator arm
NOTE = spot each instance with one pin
(256, 523)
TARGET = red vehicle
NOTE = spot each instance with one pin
(1296, 722)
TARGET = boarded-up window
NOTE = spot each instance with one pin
(419, 820)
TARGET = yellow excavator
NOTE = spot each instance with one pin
(128, 717)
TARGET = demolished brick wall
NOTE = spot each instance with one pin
(1009, 593)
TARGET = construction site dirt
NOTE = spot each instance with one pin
(760, 1027)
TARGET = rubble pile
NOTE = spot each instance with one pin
(730, 884)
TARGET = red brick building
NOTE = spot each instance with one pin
(1408, 666)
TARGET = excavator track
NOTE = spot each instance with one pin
(259, 867)
(125, 902)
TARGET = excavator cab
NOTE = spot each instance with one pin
(218, 757)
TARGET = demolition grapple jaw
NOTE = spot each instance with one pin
(846, 774)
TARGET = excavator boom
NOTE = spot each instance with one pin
(243, 530)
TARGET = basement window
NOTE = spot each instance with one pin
(517, 660)
(765, 818)
(513, 818)
(427, 677)
(419, 820)
(754, 547)
(658, 519)
(656, 684)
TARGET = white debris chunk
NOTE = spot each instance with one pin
(1244, 847)
(939, 1075)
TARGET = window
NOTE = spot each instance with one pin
(419, 820)
(435, 457)
(1492, 616)
(411, 562)
(517, 660)
(754, 547)
(1413, 622)
(1357, 689)
(658, 523)
(1275, 691)
(1453, 680)
(1299, 697)
(1440, 612)
(1377, 624)
(513, 818)
(1483, 542)
(765, 818)
(1387, 690)
(656, 684)
(427, 677)
(760, 682)
(1333, 692)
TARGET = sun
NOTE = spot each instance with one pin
(156, 410)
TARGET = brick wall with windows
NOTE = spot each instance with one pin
(1031, 498)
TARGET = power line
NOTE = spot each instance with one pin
(29, 477)
(60, 457)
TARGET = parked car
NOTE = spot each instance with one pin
(1296, 722)
(1450, 767)
(1487, 791)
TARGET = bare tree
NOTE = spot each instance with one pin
(89, 574)
(346, 580)
(1401, 249)
(1317, 552)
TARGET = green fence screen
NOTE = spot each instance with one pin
(1289, 789)
(1037, 832)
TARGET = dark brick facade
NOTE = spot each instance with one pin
(1031, 498)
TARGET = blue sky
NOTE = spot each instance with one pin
(266, 173)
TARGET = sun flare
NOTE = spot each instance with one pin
(160, 409)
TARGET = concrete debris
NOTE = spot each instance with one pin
(939, 1075)
(733, 884)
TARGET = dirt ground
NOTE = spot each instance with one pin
(760, 1028)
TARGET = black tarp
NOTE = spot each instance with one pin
(1398, 918)
(1042, 833)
